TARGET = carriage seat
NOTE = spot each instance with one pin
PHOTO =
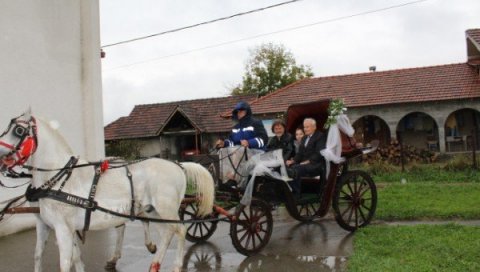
(310, 179)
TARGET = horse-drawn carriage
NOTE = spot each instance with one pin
(69, 201)
(351, 193)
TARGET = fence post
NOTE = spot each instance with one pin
(402, 156)
(474, 148)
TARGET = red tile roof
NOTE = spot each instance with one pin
(444, 82)
(147, 120)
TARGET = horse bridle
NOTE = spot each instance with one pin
(26, 132)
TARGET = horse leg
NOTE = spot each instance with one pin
(117, 254)
(65, 238)
(43, 232)
(77, 261)
(180, 232)
(165, 232)
(152, 248)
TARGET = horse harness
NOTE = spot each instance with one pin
(89, 204)
(26, 132)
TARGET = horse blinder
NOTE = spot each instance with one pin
(20, 131)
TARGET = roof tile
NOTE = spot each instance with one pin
(443, 82)
(147, 120)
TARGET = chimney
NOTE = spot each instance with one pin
(372, 68)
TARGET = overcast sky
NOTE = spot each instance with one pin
(177, 66)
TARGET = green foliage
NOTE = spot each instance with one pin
(380, 167)
(127, 149)
(460, 162)
(448, 247)
(270, 68)
(335, 108)
(457, 169)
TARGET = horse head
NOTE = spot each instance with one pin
(18, 142)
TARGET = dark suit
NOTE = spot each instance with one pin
(311, 153)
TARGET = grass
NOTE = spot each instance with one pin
(442, 191)
(417, 201)
(416, 248)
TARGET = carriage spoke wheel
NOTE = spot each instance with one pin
(307, 207)
(201, 231)
(251, 231)
(355, 200)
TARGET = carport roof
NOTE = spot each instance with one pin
(148, 120)
(474, 34)
(434, 83)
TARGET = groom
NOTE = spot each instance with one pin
(307, 162)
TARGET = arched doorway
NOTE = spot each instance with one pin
(420, 130)
(461, 129)
(371, 127)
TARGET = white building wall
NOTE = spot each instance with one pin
(50, 61)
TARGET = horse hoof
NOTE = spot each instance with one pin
(154, 267)
(110, 266)
(152, 248)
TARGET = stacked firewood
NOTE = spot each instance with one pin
(393, 154)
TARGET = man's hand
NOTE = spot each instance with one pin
(219, 144)
(244, 143)
(289, 162)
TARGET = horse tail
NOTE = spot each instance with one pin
(201, 181)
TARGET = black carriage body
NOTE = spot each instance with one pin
(352, 193)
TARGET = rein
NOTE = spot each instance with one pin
(9, 206)
(235, 168)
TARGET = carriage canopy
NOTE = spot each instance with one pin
(317, 110)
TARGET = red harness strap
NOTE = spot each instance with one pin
(20, 154)
(9, 146)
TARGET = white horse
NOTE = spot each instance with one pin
(158, 188)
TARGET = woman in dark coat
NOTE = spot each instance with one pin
(282, 140)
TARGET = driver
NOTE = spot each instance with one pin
(248, 132)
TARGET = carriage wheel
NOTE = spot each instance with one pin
(307, 207)
(251, 231)
(201, 231)
(355, 200)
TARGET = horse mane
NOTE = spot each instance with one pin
(52, 128)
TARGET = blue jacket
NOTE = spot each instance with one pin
(247, 128)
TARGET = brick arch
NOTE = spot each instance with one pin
(372, 127)
(462, 129)
(420, 130)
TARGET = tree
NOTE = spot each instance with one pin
(270, 68)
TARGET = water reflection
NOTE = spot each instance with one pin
(202, 257)
(306, 247)
(303, 247)
(287, 263)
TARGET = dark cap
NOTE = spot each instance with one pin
(241, 106)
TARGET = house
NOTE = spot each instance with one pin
(434, 107)
(176, 129)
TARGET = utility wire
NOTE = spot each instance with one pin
(271, 33)
(199, 24)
